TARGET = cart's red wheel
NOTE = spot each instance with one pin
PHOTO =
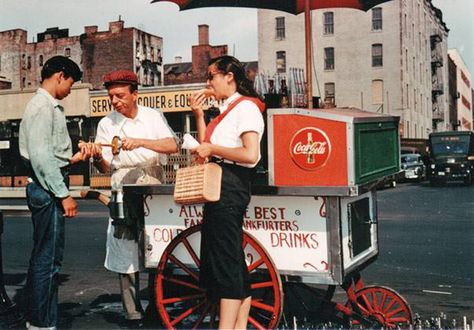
(383, 305)
(183, 304)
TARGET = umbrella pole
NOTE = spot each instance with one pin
(308, 54)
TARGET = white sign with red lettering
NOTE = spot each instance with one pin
(293, 230)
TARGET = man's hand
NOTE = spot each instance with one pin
(87, 150)
(69, 206)
(131, 143)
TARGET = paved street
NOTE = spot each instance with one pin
(426, 238)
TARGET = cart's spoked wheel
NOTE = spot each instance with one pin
(384, 306)
(183, 304)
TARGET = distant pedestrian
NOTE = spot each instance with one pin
(46, 147)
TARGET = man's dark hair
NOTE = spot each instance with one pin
(58, 64)
(133, 87)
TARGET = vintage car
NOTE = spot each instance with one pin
(413, 167)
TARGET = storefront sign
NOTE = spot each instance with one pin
(173, 101)
(292, 230)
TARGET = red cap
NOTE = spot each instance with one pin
(120, 77)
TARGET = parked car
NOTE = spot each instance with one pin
(413, 167)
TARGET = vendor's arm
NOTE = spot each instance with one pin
(164, 146)
(247, 154)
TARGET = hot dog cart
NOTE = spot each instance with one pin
(315, 221)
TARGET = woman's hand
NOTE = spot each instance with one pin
(197, 100)
(203, 151)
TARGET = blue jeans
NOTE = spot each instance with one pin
(46, 256)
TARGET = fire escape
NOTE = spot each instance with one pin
(437, 78)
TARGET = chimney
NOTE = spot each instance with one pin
(178, 59)
(116, 27)
(203, 34)
(90, 29)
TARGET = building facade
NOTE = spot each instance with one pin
(96, 53)
(464, 95)
(391, 59)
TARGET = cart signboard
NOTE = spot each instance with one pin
(291, 228)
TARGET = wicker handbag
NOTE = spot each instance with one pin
(198, 184)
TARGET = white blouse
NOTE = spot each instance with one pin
(245, 117)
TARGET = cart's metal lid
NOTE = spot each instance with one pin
(342, 114)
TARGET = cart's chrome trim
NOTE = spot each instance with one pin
(263, 190)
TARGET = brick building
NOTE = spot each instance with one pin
(179, 72)
(196, 70)
(96, 52)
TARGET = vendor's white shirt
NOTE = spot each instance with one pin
(245, 117)
(122, 255)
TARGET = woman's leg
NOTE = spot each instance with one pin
(229, 310)
(243, 316)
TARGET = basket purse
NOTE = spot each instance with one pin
(198, 184)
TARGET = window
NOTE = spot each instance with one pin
(29, 62)
(40, 60)
(152, 54)
(377, 91)
(329, 23)
(406, 59)
(281, 61)
(280, 27)
(377, 55)
(406, 26)
(329, 58)
(377, 19)
(329, 93)
(68, 52)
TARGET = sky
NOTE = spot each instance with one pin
(234, 27)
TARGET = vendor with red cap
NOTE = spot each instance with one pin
(146, 140)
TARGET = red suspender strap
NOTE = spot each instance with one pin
(212, 125)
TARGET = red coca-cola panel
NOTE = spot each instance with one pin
(309, 151)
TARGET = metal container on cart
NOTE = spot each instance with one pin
(303, 227)
(339, 147)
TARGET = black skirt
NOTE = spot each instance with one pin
(223, 270)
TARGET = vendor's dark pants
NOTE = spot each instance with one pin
(46, 256)
(223, 269)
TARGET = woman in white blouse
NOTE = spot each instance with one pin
(233, 141)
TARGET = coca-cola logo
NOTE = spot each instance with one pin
(310, 148)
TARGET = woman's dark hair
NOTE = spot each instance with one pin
(58, 64)
(228, 64)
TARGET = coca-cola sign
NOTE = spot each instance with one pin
(310, 148)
